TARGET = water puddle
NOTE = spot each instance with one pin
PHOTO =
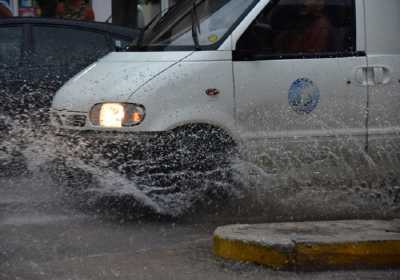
(272, 182)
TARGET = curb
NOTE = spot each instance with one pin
(312, 245)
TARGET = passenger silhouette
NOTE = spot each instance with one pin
(311, 33)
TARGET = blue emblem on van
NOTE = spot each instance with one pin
(304, 96)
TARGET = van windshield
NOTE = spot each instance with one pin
(195, 23)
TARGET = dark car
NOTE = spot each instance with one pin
(38, 55)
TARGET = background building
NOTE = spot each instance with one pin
(12, 5)
(129, 12)
(133, 13)
(24, 8)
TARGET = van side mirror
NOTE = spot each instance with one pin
(262, 27)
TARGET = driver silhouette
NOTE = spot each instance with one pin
(312, 31)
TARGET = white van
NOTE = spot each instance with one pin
(278, 71)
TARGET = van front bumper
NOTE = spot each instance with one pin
(124, 152)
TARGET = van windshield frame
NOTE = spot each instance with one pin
(174, 30)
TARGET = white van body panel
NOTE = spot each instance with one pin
(227, 45)
(382, 26)
(178, 96)
(113, 79)
(156, 83)
(383, 50)
(262, 87)
(253, 95)
(263, 109)
(360, 25)
(242, 27)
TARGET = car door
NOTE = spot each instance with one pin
(383, 50)
(58, 52)
(66, 50)
(289, 92)
(11, 67)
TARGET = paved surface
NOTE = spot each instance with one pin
(312, 245)
(42, 236)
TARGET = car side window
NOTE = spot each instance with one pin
(67, 46)
(302, 27)
(11, 41)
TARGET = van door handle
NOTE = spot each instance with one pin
(381, 75)
(364, 76)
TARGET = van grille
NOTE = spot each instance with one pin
(76, 120)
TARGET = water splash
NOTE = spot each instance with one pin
(273, 181)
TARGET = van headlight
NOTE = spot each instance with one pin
(117, 115)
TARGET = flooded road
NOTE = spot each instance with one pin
(48, 231)
(44, 236)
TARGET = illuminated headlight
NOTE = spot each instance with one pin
(117, 115)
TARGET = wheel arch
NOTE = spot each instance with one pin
(225, 131)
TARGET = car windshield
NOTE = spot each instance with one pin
(212, 19)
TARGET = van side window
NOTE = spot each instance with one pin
(302, 27)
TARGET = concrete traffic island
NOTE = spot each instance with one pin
(312, 245)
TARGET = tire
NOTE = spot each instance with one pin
(196, 159)
(203, 148)
(180, 171)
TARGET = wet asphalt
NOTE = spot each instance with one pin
(45, 235)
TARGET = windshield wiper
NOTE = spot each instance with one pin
(155, 20)
(195, 26)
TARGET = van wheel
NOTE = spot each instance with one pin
(198, 160)
(202, 148)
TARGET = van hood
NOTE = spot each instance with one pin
(113, 79)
